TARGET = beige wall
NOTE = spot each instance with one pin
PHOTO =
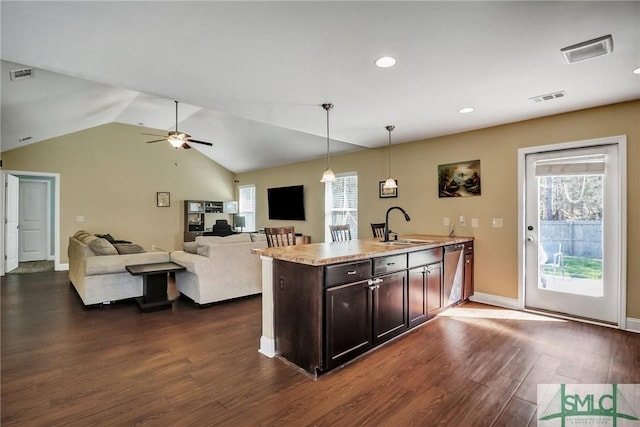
(414, 165)
(110, 176)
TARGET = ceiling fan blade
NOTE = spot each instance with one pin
(152, 134)
(156, 140)
(185, 146)
(200, 142)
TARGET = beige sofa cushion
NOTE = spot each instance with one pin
(128, 248)
(102, 246)
(190, 247)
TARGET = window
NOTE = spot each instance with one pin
(247, 206)
(341, 203)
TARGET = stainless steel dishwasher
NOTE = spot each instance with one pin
(453, 279)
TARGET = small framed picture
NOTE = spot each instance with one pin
(163, 199)
(387, 192)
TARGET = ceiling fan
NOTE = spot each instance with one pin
(177, 139)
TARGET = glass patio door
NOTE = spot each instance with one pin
(572, 234)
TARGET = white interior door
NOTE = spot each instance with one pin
(33, 219)
(11, 224)
(572, 230)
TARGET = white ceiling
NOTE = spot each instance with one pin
(251, 75)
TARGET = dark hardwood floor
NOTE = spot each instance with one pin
(475, 366)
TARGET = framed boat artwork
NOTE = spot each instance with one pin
(460, 179)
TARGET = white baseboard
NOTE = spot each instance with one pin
(267, 346)
(495, 300)
(633, 325)
(62, 267)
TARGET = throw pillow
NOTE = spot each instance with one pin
(88, 238)
(82, 235)
(191, 247)
(107, 236)
(128, 248)
(203, 250)
(101, 246)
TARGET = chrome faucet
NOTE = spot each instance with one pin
(386, 220)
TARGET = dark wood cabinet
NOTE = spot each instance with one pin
(434, 289)
(347, 322)
(425, 285)
(417, 306)
(389, 306)
(298, 316)
(194, 215)
(324, 316)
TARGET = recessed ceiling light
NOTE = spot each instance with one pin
(385, 62)
(636, 71)
(466, 110)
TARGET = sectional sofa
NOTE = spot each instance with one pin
(220, 268)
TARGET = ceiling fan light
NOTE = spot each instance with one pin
(328, 176)
(175, 141)
(389, 184)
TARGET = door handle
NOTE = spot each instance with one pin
(531, 238)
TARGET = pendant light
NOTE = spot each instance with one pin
(328, 175)
(390, 183)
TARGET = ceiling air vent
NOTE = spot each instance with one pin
(589, 49)
(22, 74)
(549, 96)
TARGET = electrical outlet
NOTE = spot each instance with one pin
(474, 222)
(462, 221)
(445, 221)
(79, 218)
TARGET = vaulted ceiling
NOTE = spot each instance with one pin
(251, 76)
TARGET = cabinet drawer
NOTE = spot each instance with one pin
(349, 272)
(425, 257)
(468, 248)
(389, 264)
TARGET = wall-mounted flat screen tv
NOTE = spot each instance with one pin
(286, 203)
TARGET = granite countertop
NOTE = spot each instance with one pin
(352, 250)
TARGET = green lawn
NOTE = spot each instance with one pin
(583, 268)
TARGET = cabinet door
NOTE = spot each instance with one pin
(348, 322)
(434, 289)
(417, 296)
(390, 306)
(468, 276)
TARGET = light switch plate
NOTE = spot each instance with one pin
(80, 218)
(462, 221)
(445, 221)
(496, 222)
(474, 222)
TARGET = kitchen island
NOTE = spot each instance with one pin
(324, 304)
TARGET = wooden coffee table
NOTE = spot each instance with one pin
(154, 282)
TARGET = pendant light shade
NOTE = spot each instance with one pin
(328, 175)
(390, 183)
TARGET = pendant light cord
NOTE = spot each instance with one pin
(328, 107)
(390, 128)
(328, 157)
